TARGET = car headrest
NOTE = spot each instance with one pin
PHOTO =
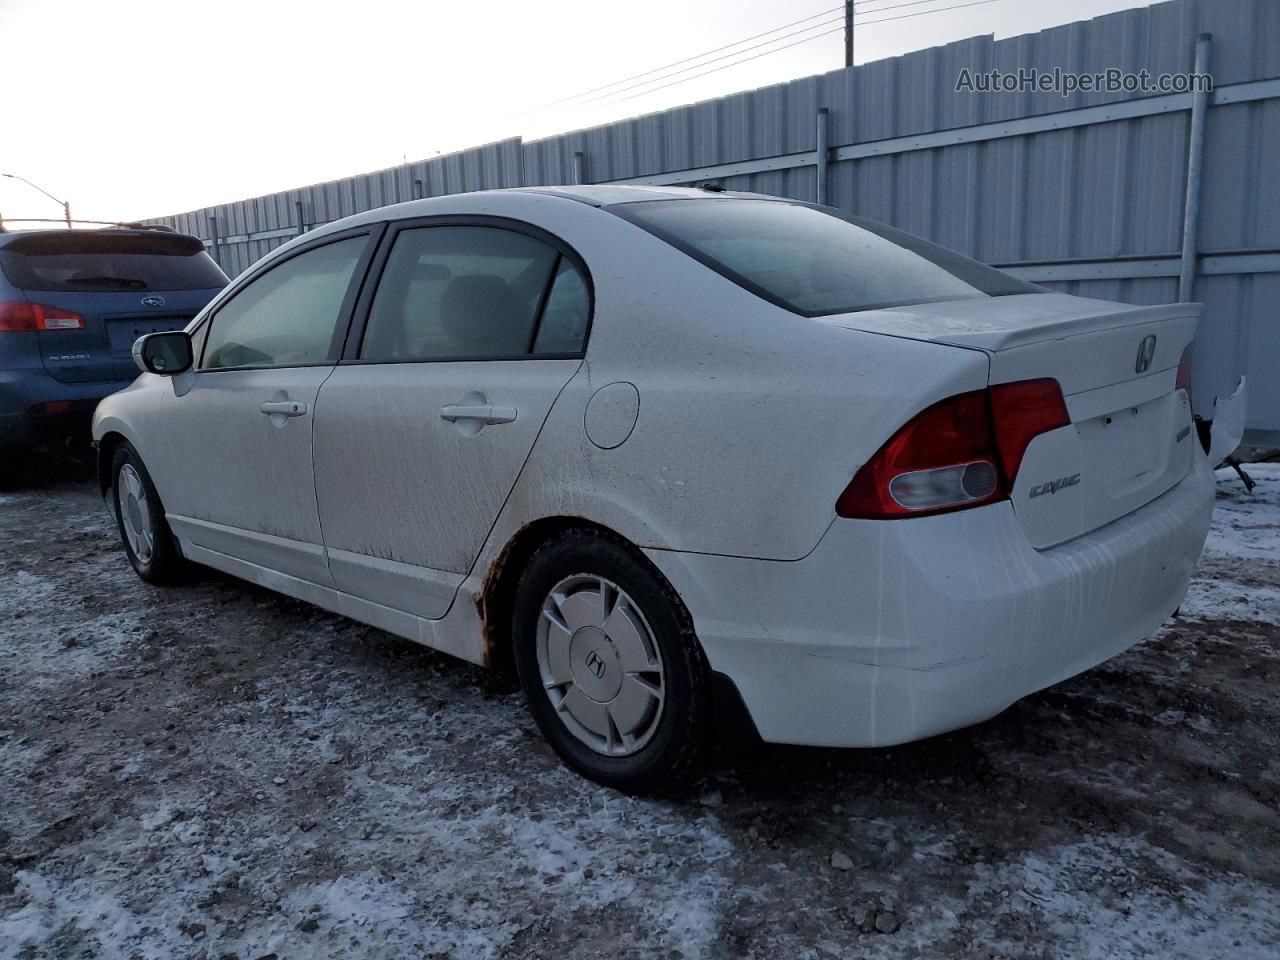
(481, 311)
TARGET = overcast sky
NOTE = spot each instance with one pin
(137, 108)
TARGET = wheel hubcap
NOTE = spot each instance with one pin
(135, 518)
(600, 665)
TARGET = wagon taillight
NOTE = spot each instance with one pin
(19, 316)
(961, 452)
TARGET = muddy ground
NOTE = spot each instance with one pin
(215, 771)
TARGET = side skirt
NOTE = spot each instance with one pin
(429, 633)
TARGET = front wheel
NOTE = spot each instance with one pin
(148, 542)
(610, 666)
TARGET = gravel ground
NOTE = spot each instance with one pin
(215, 771)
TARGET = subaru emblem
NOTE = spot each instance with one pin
(1146, 351)
(153, 301)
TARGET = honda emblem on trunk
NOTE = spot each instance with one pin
(1146, 350)
(153, 301)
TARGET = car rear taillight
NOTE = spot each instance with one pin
(1022, 411)
(1183, 381)
(19, 316)
(961, 452)
(50, 409)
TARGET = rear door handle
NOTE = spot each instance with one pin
(479, 412)
(286, 408)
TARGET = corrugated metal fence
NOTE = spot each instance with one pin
(1086, 193)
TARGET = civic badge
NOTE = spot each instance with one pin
(153, 301)
(1146, 351)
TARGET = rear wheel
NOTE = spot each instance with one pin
(609, 663)
(148, 542)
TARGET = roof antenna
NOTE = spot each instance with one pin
(712, 187)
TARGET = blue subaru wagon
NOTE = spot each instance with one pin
(72, 302)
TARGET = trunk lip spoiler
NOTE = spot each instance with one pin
(1069, 316)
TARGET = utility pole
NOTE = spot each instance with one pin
(848, 33)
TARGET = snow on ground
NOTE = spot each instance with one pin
(214, 771)
(1246, 525)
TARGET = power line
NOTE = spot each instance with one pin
(797, 43)
(785, 36)
(921, 13)
(893, 6)
(662, 70)
(816, 36)
(698, 56)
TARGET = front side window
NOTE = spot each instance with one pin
(467, 292)
(287, 316)
(816, 261)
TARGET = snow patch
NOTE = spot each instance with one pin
(1088, 894)
(1247, 525)
(1223, 599)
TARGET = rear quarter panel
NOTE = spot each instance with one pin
(751, 419)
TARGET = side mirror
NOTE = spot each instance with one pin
(165, 353)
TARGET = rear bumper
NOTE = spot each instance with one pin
(891, 631)
(35, 408)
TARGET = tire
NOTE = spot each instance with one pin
(624, 699)
(147, 539)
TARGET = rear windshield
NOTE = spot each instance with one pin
(85, 260)
(815, 260)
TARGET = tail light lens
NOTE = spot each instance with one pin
(962, 452)
(1184, 373)
(1022, 411)
(19, 316)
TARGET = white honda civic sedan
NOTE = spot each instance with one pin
(674, 455)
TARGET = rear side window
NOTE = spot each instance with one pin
(287, 316)
(470, 292)
(816, 261)
(564, 318)
(87, 260)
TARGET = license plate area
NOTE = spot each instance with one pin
(1130, 449)
(123, 331)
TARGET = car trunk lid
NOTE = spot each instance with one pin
(1130, 438)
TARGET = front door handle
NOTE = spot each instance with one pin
(479, 412)
(284, 408)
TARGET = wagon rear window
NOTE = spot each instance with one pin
(816, 261)
(89, 260)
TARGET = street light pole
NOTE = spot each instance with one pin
(66, 204)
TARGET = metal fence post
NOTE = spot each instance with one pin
(213, 239)
(579, 167)
(822, 153)
(302, 223)
(1195, 163)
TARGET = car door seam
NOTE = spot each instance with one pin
(315, 490)
(514, 483)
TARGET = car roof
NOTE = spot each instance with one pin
(607, 194)
(602, 195)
